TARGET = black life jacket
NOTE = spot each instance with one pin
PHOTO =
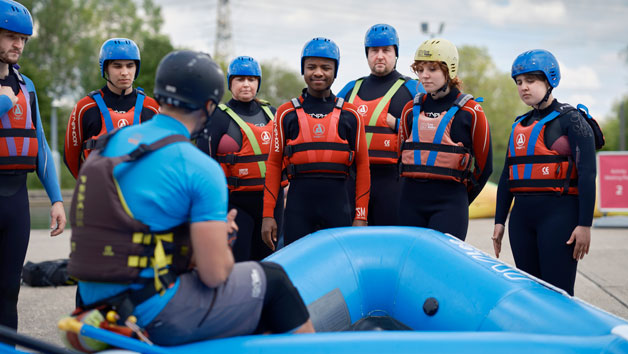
(108, 244)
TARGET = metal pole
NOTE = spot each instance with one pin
(622, 128)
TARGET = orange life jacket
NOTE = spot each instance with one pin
(318, 148)
(430, 152)
(18, 135)
(532, 166)
(246, 169)
(112, 119)
(382, 141)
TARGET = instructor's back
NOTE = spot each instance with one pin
(174, 268)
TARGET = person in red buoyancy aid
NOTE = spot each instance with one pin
(445, 142)
(116, 105)
(23, 149)
(317, 138)
(550, 172)
(240, 138)
(380, 98)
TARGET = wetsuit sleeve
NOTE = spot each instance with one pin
(405, 124)
(363, 172)
(582, 145)
(150, 108)
(46, 170)
(482, 149)
(274, 163)
(504, 197)
(345, 90)
(73, 145)
(5, 104)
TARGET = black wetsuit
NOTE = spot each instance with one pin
(444, 205)
(248, 244)
(385, 183)
(541, 223)
(320, 200)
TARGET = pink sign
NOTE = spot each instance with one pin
(613, 175)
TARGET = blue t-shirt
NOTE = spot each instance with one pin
(165, 188)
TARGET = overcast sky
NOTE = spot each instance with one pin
(588, 37)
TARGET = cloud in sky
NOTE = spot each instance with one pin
(520, 11)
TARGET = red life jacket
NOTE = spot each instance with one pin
(434, 155)
(246, 169)
(382, 141)
(112, 119)
(318, 148)
(18, 135)
(532, 166)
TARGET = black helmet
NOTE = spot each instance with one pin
(188, 79)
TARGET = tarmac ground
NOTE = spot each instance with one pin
(601, 280)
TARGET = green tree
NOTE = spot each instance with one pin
(279, 84)
(481, 78)
(62, 56)
(611, 129)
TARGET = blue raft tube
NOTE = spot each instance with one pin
(437, 294)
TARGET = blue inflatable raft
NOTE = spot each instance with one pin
(418, 290)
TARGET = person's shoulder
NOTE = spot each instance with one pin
(348, 87)
(471, 105)
(84, 104)
(151, 103)
(285, 108)
(351, 108)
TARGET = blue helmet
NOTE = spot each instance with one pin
(322, 48)
(15, 17)
(119, 49)
(537, 60)
(244, 66)
(381, 35)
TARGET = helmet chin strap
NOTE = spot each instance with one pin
(114, 85)
(547, 94)
(442, 89)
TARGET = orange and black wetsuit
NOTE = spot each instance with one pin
(86, 122)
(430, 194)
(230, 145)
(317, 148)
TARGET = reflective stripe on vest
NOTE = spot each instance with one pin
(429, 152)
(258, 156)
(379, 154)
(17, 131)
(544, 170)
(438, 137)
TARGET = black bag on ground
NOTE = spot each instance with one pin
(47, 273)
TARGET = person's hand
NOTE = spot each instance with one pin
(357, 222)
(269, 232)
(8, 91)
(57, 219)
(232, 226)
(498, 234)
(391, 121)
(582, 236)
